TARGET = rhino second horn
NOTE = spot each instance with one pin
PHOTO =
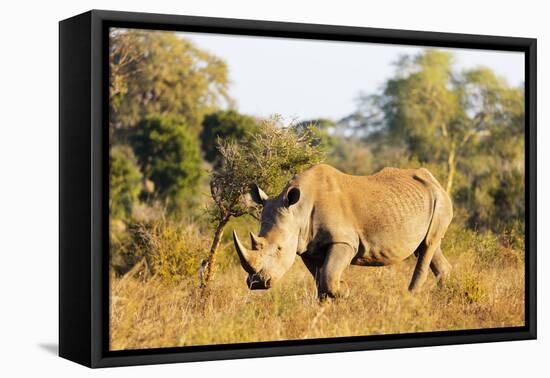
(255, 241)
(245, 256)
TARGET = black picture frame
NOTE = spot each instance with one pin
(83, 182)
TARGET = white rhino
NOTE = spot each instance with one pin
(332, 219)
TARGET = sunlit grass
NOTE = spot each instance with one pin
(486, 289)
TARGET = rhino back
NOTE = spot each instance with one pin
(384, 216)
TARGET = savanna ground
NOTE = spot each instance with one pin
(485, 290)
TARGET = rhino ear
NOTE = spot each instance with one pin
(292, 196)
(258, 194)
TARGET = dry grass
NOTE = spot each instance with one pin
(486, 290)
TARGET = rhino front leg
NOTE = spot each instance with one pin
(314, 268)
(338, 258)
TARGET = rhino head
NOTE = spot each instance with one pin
(273, 251)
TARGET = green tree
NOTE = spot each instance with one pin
(124, 182)
(468, 126)
(168, 151)
(496, 194)
(226, 125)
(269, 158)
(158, 72)
(421, 108)
(441, 115)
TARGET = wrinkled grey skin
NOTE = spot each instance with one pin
(331, 220)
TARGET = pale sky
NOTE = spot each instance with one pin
(302, 79)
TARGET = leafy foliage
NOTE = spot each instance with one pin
(226, 125)
(124, 182)
(169, 154)
(321, 132)
(156, 72)
(269, 158)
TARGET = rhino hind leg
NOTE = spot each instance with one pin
(442, 215)
(440, 267)
(338, 258)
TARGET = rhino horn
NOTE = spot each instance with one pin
(245, 256)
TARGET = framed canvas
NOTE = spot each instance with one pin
(387, 179)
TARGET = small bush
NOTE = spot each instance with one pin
(514, 237)
(173, 251)
(486, 248)
(468, 287)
